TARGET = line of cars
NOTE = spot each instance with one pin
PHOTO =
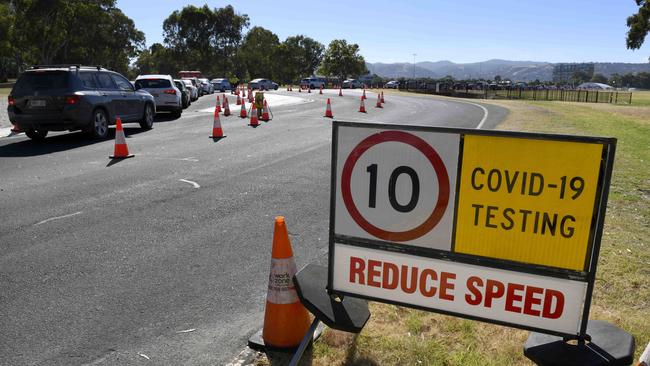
(90, 98)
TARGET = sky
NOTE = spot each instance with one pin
(459, 31)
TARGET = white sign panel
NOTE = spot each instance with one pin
(544, 303)
(396, 186)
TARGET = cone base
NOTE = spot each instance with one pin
(217, 137)
(121, 157)
(257, 343)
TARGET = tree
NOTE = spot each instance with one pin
(206, 39)
(6, 46)
(259, 53)
(599, 78)
(579, 77)
(309, 53)
(639, 25)
(342, 60)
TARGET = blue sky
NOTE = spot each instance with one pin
(459, 31)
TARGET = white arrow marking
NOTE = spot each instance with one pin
(196, 185)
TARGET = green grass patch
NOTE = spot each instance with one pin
(396, 335)
(641, 98)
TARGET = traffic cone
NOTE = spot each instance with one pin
(362, 106)
(251, 99)
(242, 112)
(15, 128)
(309, 90)
(265, 112)
(243, 93)
(300, 89)
(223, 101)
(226, 108)
(254, 121)
(364, 94)
(121, 150)
(321, 90)
(382, 97)
(288, 88)
(237, 92)
(217, 131)
(328, 109)
(340, 91)
(238, 100)
(378, 102)
(218, 107)
(285, 319)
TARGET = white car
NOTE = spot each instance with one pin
(392, 85)
(164, 91)
(262, 84)
(351, 84)
(194, 92)
(207, 86)
(312, 83)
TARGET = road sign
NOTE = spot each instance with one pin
(499, 226)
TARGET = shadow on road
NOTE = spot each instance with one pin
(52, 144)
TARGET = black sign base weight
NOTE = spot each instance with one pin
(606, 344)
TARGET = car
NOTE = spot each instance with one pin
(197, 84)
(312, 83)
(352, 84)
(168, 97)
(221, 84)
(392, 84)
(207, 86)
(262, 84)
(75, 97)
(185, 92)
(194, 92)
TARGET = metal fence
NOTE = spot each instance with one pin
(574, 95)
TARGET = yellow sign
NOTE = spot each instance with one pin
(527, 200)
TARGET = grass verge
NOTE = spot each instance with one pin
(396, 335)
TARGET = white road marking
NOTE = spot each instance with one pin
(57, 218)
(485, 112)
(196, 185)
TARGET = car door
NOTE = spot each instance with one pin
(132, 104)
(111, 96)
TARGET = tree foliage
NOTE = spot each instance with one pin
(342, 60)
(259, 53)
(639, 25)
(205, 39)
(73, 31)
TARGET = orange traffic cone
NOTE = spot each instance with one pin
(254, 121)
(121, 150)
(378, 102)
(242, 112)
(218, 107)
(364, 94)
(340, 91)
(300, 89)
(285, 319)
(217, 131)
(238, 100)
(251, 99)
(309, 90)
(328, 109)
(226, 108)
(237, 92)
(362, 106)
(265, 112)
(223, 101)
(382, 97)
(321, 90)
(15, 128)
(243, 93)
(290, 87)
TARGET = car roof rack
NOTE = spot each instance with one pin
(69, 66)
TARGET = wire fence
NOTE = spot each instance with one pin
(566, 95)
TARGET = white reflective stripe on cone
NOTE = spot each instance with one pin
(281, 289)
(119, 138)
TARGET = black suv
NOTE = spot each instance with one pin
(75, 97)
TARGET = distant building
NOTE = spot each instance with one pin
(564, 72)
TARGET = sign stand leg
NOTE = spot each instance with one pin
(605, 344)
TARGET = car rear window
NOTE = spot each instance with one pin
(179, 85)
(30, 82)
(152, 83)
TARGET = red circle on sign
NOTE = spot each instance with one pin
(436, 163)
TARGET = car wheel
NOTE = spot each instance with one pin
(98, 128)
(36, 135)
(147, 117)
(177, 113)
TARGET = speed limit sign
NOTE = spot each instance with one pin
(396, 186)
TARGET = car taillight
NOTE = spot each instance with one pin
(170, 91)
(72, 99)
(11, 100)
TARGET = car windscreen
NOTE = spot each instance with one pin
(187, 82)
(30, 82)
(152, 83)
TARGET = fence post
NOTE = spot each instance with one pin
(616, 102)
(630, 98)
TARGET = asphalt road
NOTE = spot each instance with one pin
(104, 263)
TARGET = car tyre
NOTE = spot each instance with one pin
(98, 128)
(36, 135)
(177, 113)
(147, 117)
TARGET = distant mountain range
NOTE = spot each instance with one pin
(514, 70)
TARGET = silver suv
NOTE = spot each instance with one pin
(75, 97)
(168, 97)
(262, 84)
